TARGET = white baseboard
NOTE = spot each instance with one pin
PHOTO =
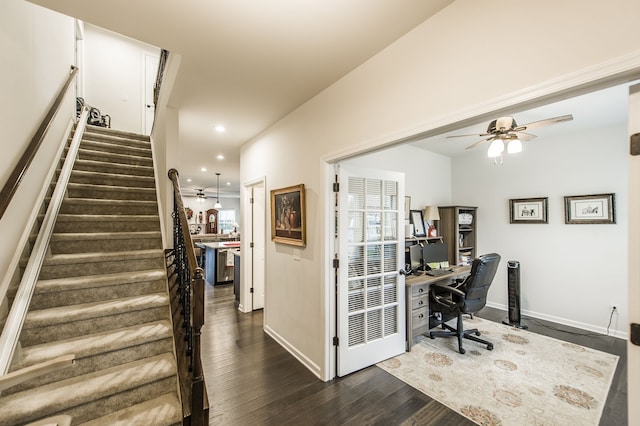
(311, 366)
(563, 321)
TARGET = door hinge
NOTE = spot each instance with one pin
(336, 341)
(336, 187)
(251, 290)
(336, 263)
(251, 244)
(251, 200)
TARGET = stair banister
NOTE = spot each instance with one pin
(192, 303)
(11, 186)
(20, 306)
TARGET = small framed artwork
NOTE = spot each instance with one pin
(288, 219)
(590, 209)
(407, 207)
(529, 210)
(417, 220)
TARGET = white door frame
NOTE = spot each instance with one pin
(249, 273)
(610, 73)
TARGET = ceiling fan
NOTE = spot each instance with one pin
(505, 130)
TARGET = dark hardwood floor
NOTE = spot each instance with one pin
(251, 379)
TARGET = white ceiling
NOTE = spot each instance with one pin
(246, 64)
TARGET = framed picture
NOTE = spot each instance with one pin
(407, 207)
(588, 209)
(288, 219)
(418, 223)
(529, 210)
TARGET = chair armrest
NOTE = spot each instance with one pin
(446, 296)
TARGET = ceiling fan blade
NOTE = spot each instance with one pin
(481, 142)
(524, 136)
(464, 136)
(543, 123)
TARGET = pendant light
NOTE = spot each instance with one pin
(217, 205)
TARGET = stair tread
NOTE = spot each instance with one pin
(115, 188)
(85, 311)
(58, 396)
(103, 201)
(105, 217)
(102, 280)
(101, 256)
(92, 344)
(113, 155)
(92, 236)
(112, 175)
(114, 165)
(164, 410)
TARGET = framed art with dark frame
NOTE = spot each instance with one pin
(590, 209)
(418, 223)
(529, 210)
(288, 218)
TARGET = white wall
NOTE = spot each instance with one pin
(439, 73)
(427, 174)
(558, 262)
(37, 47)
(114, 76)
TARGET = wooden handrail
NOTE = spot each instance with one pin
(16, 377)
(191, 285)
(11, 186)
(188, 242)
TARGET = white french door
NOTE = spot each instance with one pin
(371, 304)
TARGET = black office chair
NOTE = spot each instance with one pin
(467, 297)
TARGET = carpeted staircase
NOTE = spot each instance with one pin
(102, 295)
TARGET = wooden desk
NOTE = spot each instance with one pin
(417, 300)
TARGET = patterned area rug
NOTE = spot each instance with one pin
(527, 379)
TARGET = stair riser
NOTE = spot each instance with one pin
(121, 400)
(95, 268)
(92, 178)
(113, 168)
(102, 406)
(105, 245)
(98, 362)
(35, 336)
(115, 140)
(117, 159)
(82, 207)
(106, 226)
(111, 193)
(92, 131)
(116, 149)
(95, 294)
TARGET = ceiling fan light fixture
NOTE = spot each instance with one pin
(514, 146)
(496, 148)
(217, 205)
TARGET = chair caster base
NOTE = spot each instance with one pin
(490, 347)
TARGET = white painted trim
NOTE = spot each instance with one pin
(18, 313)
(35, 211)
(329, 248)
(313, 367)
(563, 321)
(615, 71)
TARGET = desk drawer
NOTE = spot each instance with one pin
(420, 318)
(418, 290)
(420, 302)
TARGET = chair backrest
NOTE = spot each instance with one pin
(476, 286)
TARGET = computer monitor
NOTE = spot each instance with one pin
(415, 257)
(436, 255)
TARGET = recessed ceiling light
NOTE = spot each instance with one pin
(220, 157)
(220, 128)
(204, 169)
(189, 180)
(228, 183)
